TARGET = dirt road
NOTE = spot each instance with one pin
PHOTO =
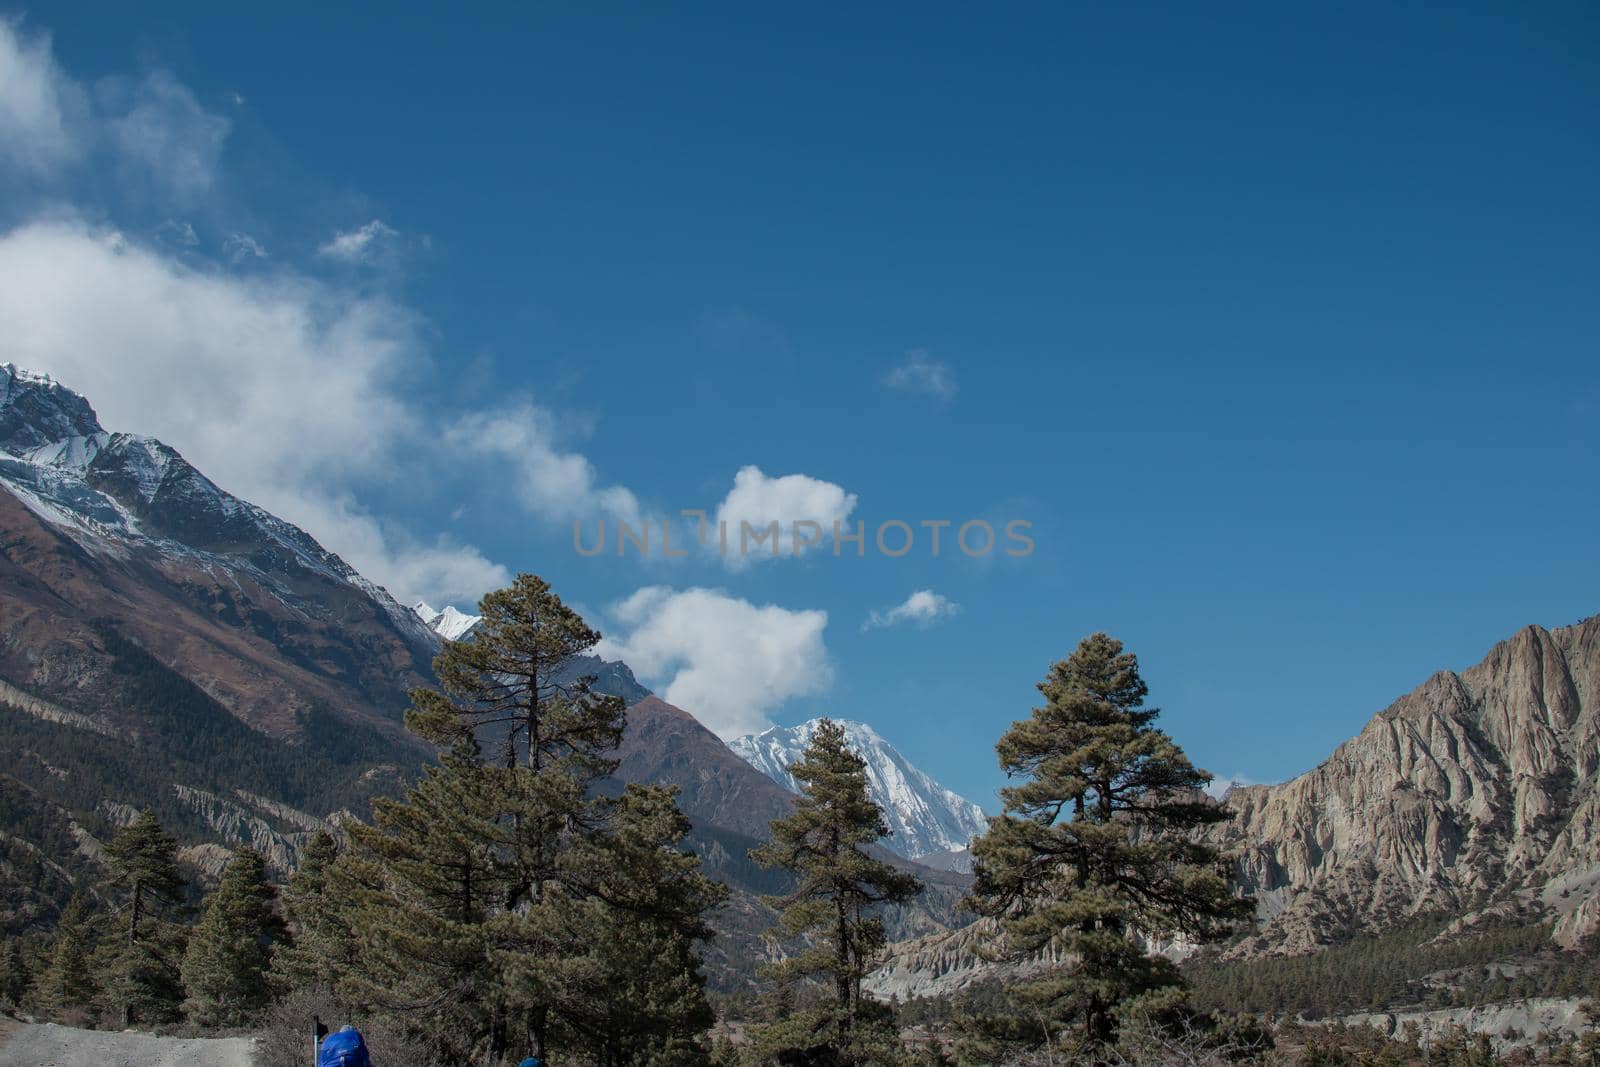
(49, 1045)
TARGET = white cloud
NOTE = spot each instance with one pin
(178, 232)
(357, 245)
(151, 132)
(729, 662)
(551, 483)
(39, 106)
(285, 388)
(444, 570)
(920, 374)
(280, 388)
(924, 608)
(241, 246)
(760, 501)
(157, 129)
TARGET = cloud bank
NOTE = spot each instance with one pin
(151, 132)
(278, 388)
(281, 385)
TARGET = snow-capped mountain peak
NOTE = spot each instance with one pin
(37, 410)
(924, 817)
(121, 493)
(450, 624)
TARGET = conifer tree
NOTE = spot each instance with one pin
(839, 888)
(145, 961)
(320, 946)
(1095, 849)
(15, 975)
(225, 967)
(513, 685)
(416, 890)
(68, 980)
(637, 994)
(488, 902)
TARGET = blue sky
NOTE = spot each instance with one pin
(1278, 326)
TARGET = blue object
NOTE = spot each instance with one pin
(344, 1049)
(531, 1061)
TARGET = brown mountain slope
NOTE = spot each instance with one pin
(667, 744)
(263, 659)
(114, 532)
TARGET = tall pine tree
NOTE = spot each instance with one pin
(492, 908)
(15, 974)
(1096, 850)
(225, 967)
(416, 891)
(637, 992)
(833, 907)
(513, 686)
(67, 983)
(319, 947)
(145, 961)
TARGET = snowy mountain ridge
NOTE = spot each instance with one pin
(924, 817)
(114, 493)
(450, 624)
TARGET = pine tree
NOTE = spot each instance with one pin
(320, 946)
(144, 965)
(15, 975)
(225, 967)
(68, 981)
(416, 891)
(1095, 850)
(513, 686)
(497, 907)
(839, 887)
(638, 990)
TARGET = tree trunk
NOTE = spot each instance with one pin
(497, 1036)
(1101, 1029)
(538, 1028)
(133, 939)
(842, 971)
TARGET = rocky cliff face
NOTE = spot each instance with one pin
(1473, 789)
(1477, 793)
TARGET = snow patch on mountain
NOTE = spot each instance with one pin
(923, 816)
(450, 624)
(113, 493)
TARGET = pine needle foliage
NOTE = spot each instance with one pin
(143, 963)
(832, 912)
(1095, 855)
(225, 968)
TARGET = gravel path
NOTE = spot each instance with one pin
(49, 1045)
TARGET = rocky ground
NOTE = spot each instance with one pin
(49, 1045)
(1510, 1025)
